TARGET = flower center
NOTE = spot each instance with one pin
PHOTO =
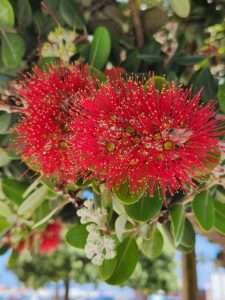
(63, 145)
(110, 146)
(168, 145)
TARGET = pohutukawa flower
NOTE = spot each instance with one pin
(155, 140)
(50, 237)
(43, 131)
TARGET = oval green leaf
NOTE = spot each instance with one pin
(4, 158)
(219, 216)
(7, 18)
(77, 236)
(123, 194)
(145, 209)
(154, 246)
(181, 8)
(5, 120)
(13, 49)
(203, 209)
(177, 216)
(24, 14)
(100, 48)
(14, 190)
(5, 211)
(127, 257)
(107, 268)
(221, 96)
(33, 201)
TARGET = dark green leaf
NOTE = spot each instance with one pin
(7, 18)
(153, 19)
(188, 238)
(13, 49)
(154, 246)
(5, 120)
(24, 14)
(177, 215)
(4, 249)
(219, 216)
(188, 60)
(14, 189)
(127, 257)
(107, 268)
(203, 210)
(221, 96)
(100, 48)
(124, 195)
(145, 209)
(77, 236)
(71, 14)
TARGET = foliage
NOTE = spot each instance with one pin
(172, 39)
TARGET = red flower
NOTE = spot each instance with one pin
(50, 237)
(155, 140)
(43, 131)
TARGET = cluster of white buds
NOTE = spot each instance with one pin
(99, 246)
(60, 44)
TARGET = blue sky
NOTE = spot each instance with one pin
(204, 249)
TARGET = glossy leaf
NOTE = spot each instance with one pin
(221, 96)
(100, 48)
(77, 236)
(145, 209)
(181, 8)
(127, 257)
(33, 201)
(7, 18)
(120, 226)
(188, 238)
(177, 216)
(202, 207)
(154, 246)
(124, 195)
(24, 14)
(14, 190)
(107, 268)
(13, 49)
(219, 216)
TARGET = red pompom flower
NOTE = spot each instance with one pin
(44, 130)
(155, 140)
(50, 237)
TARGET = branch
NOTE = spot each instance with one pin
(137, 23)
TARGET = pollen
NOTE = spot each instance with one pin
(168, 145)
(129, 129)
(110, 146)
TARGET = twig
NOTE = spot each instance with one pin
(137, 23)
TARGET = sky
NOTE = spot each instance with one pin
(206, 253)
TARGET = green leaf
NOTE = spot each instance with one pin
(7, 18)
(219, 216)
(24, 14)
(150, 58)
(120, 226)
(159, 82)
(13, 49)
(188, 238)
(181, 8)
(107, 268)
(177, 216)
(14, 190)
(153, 19)
(71, 14)
(33, 201)
(4, 249)
(127, 257)
(5, 120)
(4, 158)
(154, 246)
(123, 194)
(77, 236)
(4, 226)
(145, 209)
(188, 60)
(5, 211)
(221, 96)
(202, 206)
(100, 48)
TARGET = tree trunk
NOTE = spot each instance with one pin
(190, 283)
(67, 288)
(56, 291)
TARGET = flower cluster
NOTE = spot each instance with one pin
(121, 130)
(99, 246)
(43, 131)
(154, 139)
(60, 44)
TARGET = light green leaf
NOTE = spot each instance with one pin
(145, 209)
(33, 201)
(177, 217)
(154, 246)
(5, 120)
(12, 50)
(100, 48)
(5, 211)
(7, 18)
(123, 194)
(221, 95)
(4, 158)
(203, 210)
(107, 268)
(120, 226)
(181, 8)
(127, 257)
(219, 216)
(77, 236)
(4, 226)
